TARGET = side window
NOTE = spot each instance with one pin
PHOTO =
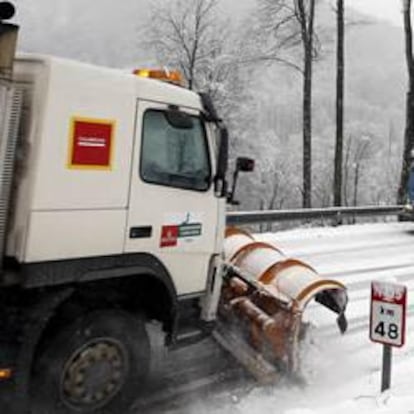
(174, 156)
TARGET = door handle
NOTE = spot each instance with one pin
(140, 232)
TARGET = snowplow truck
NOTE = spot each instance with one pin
(112, 214)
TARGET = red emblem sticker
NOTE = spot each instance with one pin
(91, 143)
(169, 236)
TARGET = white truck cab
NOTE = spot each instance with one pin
(116, 218)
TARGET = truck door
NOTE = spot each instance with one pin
(173, 210)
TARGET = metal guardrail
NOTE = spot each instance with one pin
(256, 217)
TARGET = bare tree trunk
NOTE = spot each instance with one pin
(346, 172)
(307, 133)
(356, 183)
(409, 122)
(340, 66)
(306, 19)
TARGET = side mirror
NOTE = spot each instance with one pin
(243, 164)
(210, 112)
(222, 162)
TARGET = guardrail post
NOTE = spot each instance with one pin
(338, 219)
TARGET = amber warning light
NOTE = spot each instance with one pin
(5, 374)
(172, 76)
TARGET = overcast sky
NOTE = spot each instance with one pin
(389, 10)
(384, 9)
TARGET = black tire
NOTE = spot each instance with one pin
(108, 351)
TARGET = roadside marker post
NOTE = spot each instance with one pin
(387, 322)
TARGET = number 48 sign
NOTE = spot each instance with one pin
(388, 303)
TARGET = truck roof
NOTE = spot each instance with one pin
(143, 88)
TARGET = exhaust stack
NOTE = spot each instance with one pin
(8, 40)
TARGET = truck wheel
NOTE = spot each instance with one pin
(95, 365)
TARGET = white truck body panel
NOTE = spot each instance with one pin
(64, 210)
(52, 235)
(76, 92)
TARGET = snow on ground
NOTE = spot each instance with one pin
(343, 373)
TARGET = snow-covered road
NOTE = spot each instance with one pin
(343, 372)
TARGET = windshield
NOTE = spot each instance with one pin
(174, 156)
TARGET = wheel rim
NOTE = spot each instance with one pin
(94, 374)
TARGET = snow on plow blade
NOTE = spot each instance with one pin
(263, 298)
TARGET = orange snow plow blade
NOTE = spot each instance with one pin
(263, 298)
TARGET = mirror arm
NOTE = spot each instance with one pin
(230, 195)
(220, 186)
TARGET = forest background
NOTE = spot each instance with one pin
(260, 97)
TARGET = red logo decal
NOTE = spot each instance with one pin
(91, 143)
(169, 236)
